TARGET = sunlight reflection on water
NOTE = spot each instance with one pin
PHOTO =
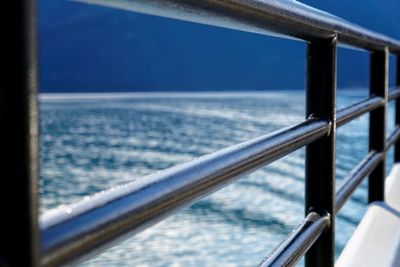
(89, 144)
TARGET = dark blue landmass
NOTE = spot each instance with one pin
(86, 48)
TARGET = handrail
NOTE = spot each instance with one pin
(72, 232)
(269, 17)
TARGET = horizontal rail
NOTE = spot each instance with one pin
(394, 94)
(349, 113)
(290, 251)
(393, 138)
(356, 176)
(362, 170)
(71, 232)
(288, 18)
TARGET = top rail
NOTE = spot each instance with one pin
(270, 17)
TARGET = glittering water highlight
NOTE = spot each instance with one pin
(92, 142)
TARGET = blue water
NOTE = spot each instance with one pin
(92, 142)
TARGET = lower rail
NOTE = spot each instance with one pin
(393, 138)
(356, 176)
(290, 251)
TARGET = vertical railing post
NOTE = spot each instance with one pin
(397, 110)
(377, 122)
(320, 155)
(19, 232)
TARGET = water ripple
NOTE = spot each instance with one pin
(91, 144)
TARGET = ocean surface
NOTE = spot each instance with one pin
(91, 142)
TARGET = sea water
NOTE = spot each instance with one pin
(91, 142)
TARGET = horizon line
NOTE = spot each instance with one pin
(158, 94)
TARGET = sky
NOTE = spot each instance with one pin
(86, 48)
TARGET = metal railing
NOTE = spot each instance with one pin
(71, 233)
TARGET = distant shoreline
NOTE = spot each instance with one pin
(173, 94)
